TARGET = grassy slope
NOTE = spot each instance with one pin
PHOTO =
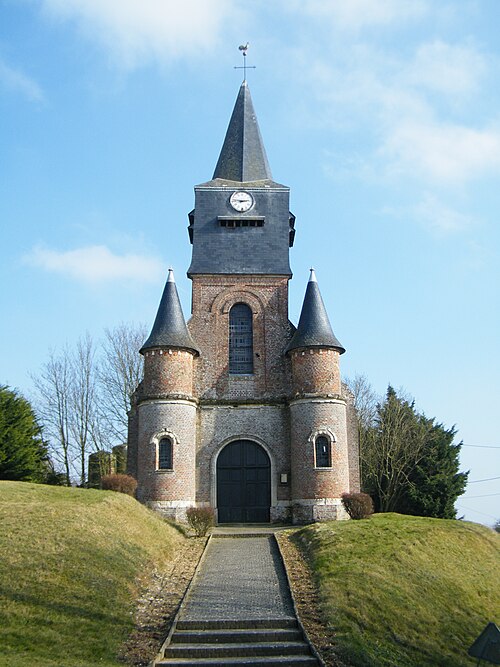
(404, 590)
(68, 568)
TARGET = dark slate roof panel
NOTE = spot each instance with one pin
(243, 156)
(314, 328)
(243, 250)
(170, 329)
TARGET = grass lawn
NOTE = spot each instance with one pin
(404, 591)
(70, 560)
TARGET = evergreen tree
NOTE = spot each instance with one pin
(435, 482)
(409, 463)
(23, 453)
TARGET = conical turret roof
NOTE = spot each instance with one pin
(314, 328)
(170, 329)
(243, 157)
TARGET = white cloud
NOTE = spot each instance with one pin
(140, 31)
(447, 68)
(450, 154)
(439, 218)
(97, 264)
(409, 130)
(358, 14)
(15, 80)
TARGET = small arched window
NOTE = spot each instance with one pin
(240, 340)
(323, 451)
(165, 454)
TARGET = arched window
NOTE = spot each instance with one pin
(240, 340)
(165, 454)
(323, 451)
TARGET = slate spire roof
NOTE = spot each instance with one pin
(243, 156)
(170, 329)
(314, 328)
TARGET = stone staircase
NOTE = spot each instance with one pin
(272, 642)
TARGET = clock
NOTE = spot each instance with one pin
(241, 201)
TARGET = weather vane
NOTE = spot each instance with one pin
(244, 48)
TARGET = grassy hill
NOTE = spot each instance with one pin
(394, 591)
(69, 564)
(403, 591)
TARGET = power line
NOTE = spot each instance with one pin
(482, 446)
(488, 479)
(469, 509)
(486, 495)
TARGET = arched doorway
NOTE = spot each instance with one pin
(243, 483)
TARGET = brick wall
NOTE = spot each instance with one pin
(315, 371)
(310, 418)
(353, 441)
(213, 297)
(167, 371)
(268, 425)
(175, 419)
(132, 437)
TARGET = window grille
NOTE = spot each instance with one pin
(323, 452)
(240, 340)
(165, 454)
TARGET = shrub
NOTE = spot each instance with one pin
(121, 483)
(357, 505)
(200, 519)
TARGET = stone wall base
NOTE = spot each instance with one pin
(303, 511)
(281, 514)
(309, 510)
(170, 509)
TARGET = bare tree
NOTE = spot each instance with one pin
(365, 400)
(121, 371)
(365, 404)
(53, 406)
(83, 401)
(83, 396)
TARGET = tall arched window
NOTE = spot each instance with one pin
(240, 340)
(165, 454)
(323, 452)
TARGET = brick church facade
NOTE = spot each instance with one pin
(239, 409)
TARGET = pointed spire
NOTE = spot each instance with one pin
(314, 328)
(170, 329)
(243, 157)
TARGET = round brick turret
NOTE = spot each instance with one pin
(316, 489)
(318, 421)
(315, 371)
(166, 412)
(168, 372)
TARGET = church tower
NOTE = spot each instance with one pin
(250, 410)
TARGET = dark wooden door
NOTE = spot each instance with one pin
(243, 483)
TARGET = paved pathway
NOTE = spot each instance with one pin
(241, 578)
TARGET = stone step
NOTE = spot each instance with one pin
(265, 661)
(236, 635)
(236, 650)
(241, 624)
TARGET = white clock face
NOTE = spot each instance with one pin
(241, 201)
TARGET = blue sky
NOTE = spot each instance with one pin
(383, 116)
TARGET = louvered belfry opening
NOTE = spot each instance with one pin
(240, 340)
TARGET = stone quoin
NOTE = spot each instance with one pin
(239, 410)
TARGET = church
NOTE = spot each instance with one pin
(239, 410)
